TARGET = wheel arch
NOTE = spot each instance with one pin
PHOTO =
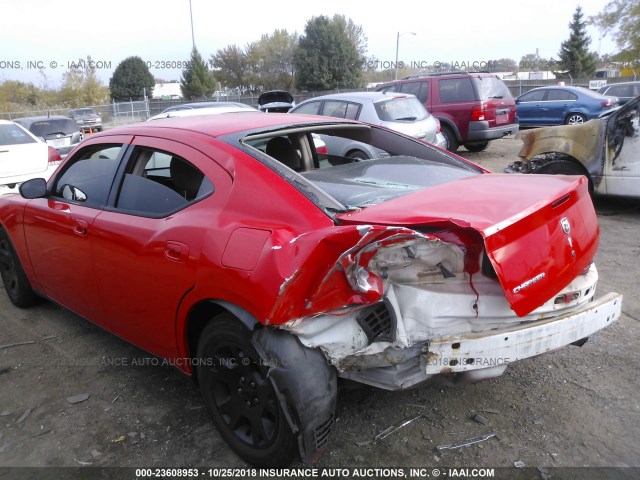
(202, 313)
(556, 158)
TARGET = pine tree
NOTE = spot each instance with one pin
(575, 58)
(197, 81)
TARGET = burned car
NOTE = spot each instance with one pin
(226, 245)
(605, 150)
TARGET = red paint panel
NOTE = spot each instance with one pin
(516, 217)
(244, 248)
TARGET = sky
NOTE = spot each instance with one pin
(40, 39)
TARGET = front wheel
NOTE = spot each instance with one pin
(15, 280)
(575, 119)
(476, 147)
(565, 167)
(240, 397)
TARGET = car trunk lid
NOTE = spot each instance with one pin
(537, 242)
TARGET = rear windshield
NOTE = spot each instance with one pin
(53, 126)
(400, 109)
(369, 182)
(13, 135)
(491, 87)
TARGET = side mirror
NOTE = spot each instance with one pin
(70, 192)
(34, 188)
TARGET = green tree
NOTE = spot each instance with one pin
(575, 58)
(81, 86)
(231, 67)
(621, 19)
(326, 57)
(271, 60)
(506, 65)
(197, 80)
(13, 92)
(131, 79)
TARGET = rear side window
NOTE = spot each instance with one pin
(561, 95)
(13, 135)
(339, 109)
(456, 90)
(401, 109)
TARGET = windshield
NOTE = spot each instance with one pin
(366, 183)
(399, 109)
(491, 87)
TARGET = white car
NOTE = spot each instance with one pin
(23, 156)
(205, 108)
(397, 111)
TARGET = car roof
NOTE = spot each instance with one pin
(195, 105)
(360, 96)
(41, 118)
(223, 124)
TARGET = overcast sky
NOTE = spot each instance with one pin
(50, 34)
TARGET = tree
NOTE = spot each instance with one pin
(81, 86)
(232, 67)
(271, 60)
(621, 19)
(326, 57)
(197, 81)
(575, 58)
(506, 65)
(131, 80)
(354, 32)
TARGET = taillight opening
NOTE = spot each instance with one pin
(54, 156)
(477, 113)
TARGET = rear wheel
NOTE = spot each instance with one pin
(575, 119)
(358, 155)
(15, 280)
(476, 147)
(240, 396)
(565, 167)
(452, 142)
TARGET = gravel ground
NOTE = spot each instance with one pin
(578, 407)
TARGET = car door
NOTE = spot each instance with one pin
(457, 98)
(622, 166)
(530, 107)
(59, 229)
(559, 103)
(150, 239)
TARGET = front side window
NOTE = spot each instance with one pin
(89, 178)
(159, 183)
(418, 89)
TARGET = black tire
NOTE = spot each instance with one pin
(452, 141)
(575, 119)
(358, 155)
(15, 280)
(565, 167)
(476, 147)
(240, 397)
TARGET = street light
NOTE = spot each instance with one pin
(398, 47)
(193, 38)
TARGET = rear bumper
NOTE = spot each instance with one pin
(480, 131)
(493, 348)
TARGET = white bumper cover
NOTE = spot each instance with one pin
(495, 348)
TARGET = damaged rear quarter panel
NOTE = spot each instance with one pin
(584, 142)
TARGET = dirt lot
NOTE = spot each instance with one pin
(578, 407)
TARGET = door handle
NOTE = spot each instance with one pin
(80, 227)
(176, 251)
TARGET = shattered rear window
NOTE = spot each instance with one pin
(366, 183)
